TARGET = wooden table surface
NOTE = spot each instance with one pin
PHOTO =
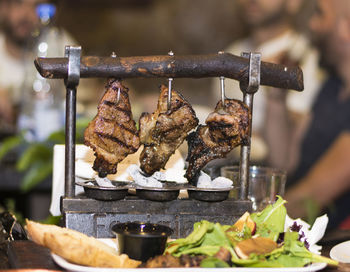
(28, 255)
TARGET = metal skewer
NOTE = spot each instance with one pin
(222, 85)
(118, 95)
(222, 88)
(171, 53)
(114, 55)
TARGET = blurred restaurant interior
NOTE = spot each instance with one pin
(292, 149)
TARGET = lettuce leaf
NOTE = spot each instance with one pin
(237, 236)
(297, 249)
(212, 262)
(270, 221)
(207, 238)
(216, 237)
(201, 250)
(193, 240)
(292, 254)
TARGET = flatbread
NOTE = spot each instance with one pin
(77, 247)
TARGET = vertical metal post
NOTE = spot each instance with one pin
(248, 95)
(73, 53)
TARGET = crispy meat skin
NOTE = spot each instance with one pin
(163, 261)
(224, 254)
(227, 127)
(112, 134)
(164, 131)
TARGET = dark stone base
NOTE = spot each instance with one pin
(95, 217)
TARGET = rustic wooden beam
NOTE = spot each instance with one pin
(190, 66)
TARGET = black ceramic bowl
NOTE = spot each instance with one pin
(208, 194)
(141, 241)
(92, 190)
(170, 191)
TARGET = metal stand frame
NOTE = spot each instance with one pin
(248, 94)
(95, 217)
(73, 54)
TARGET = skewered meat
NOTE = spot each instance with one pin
(112, 134)
(163, 131)
(227, 127)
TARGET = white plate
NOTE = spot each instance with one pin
(341, 252)
(79, 268)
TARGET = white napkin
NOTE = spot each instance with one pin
(58, 175)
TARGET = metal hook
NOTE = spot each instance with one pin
(114, 55)
(118, 95)
(170, 53)
(222, 88)
(222, 85)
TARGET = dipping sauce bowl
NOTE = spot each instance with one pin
(141, 241)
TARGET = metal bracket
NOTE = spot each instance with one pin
(73, 54)
(248, 94)
(254, 73)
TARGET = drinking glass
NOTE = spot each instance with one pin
(265, 184)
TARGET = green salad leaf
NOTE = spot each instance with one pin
(216, 237)
(236, 236)
(208, 238)
(194, 239)
(270, 221)
(297, 249)
(212, 262)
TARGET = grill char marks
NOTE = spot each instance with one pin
(112, 134)
(163, 261)
(226, 128)
(163, 131)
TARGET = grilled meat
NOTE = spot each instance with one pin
(226, 128)
(112, 134)
(163, 261)
(163, 131)
(224, 255)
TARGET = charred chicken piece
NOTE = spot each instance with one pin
(226, 128)
(163, 261)
(164, 131)
(224, 255)
(112, 134)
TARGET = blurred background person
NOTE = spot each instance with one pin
(272, 32)
(30, 105)
(18, 24)
(28, 30)
(322, 175)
